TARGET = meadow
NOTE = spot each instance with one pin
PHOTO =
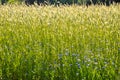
(59, 43)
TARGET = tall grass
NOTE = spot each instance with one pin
(59, 43)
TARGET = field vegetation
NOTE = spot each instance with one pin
(59, 43)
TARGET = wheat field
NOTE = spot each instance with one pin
(59, 43)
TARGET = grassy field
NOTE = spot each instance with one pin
(59, 43)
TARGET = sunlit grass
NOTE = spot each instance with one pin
(59, 43)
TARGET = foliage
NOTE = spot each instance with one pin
(54, 1)
(59, 43)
